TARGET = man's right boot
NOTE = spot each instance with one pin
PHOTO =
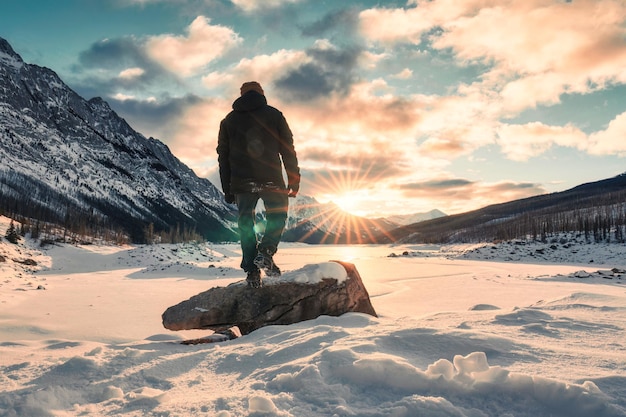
(265, 262)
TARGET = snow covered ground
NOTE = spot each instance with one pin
(511, 329)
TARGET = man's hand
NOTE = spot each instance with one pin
(293, 190)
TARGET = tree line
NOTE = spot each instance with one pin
(602, 221)
(73, 224)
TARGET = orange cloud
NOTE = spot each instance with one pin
(610, 141)
(541, 49)
(521, 142)
(187, 55)
(450, 147)
(461, 195)
(534, 52)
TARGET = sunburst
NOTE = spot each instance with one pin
(342, 187)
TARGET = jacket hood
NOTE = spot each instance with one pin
(249, 101)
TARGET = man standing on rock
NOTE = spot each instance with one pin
(253, 144)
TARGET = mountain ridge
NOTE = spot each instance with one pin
(65, 156)
(406, 219)
(596, 209)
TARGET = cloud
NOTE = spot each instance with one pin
(262, 68)
(129, 65)
(316, 73)
(154, 117)
(610, 141)
(532, 52)
(450, 147)
(121, 53)
(405, 74)
(187, 55)
(122, 97)
(462, 195)
(131, 73)
(194, 132)
(118, 66)
(438, 185)
(344, 20)
(530, 91)
(329, 70)
(341, 171)
(521, 142)
(548, 48)
(254, 5)
(358, 123)
(394, 25)
(456, 125)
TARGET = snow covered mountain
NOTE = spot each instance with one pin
(313, 222)
(416, 218)
(71, 161)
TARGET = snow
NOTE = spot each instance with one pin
(314, 273)
(11, 61)
(462, 331)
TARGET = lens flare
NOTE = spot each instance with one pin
(333, 220)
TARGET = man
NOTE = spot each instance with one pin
(253, 138)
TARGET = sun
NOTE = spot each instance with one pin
(349, 187)
(347, 202)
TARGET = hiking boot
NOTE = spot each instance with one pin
(254, 279)
(265, 262)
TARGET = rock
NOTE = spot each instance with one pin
(331, 288)
(29, 262)
(222, 336)
(484, 307)
(582, 274)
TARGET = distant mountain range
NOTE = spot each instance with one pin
(416, 218)
(596, 210)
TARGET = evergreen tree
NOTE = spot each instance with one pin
(11, 234)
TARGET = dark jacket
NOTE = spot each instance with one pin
(252, 140)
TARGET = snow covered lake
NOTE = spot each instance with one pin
(513, 329)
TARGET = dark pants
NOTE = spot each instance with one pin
(276, 205)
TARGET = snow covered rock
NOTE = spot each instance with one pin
(331, 288)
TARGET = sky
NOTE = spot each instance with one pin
(397, 107)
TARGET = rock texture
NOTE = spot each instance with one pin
(296, 296)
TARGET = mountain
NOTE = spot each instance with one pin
(596, 209)
(312, 222)
(75, 162)
(416, 218)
